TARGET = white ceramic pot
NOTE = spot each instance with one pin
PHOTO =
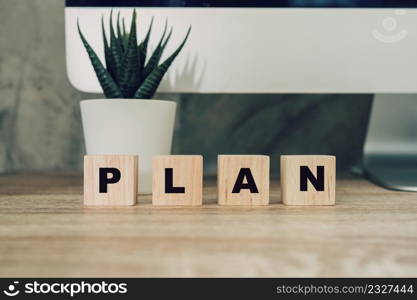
(129, 126)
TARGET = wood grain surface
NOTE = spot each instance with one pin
(46, 232)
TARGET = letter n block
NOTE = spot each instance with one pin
(308, 179)
(177, 180)
(243, 179)
(110, 180)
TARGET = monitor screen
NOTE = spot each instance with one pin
(249, 3)
(292, 46)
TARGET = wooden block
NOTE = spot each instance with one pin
(177, 180)
(110, 180)
(243, 179)
(308, 179)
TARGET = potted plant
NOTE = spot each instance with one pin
(128, 122)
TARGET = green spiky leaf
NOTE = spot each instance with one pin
(107, 53)
(143, 46)
(119, 33)
(125, 34)
(151, 83)
(130, 78)
(116, 53)
(123, 26)
(110, 88)
(156, 55)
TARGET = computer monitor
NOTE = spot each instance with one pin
(293, 46)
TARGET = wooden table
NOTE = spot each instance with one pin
(45, 231)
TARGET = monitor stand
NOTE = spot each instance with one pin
(390, 153)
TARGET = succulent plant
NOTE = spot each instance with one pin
(127, 72)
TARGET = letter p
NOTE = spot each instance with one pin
(104, 178)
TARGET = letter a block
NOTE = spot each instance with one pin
(308, 179)
(243, 179)
(177, 180)
(110, 180)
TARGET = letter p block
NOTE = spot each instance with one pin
(110, 180)
(308, 179)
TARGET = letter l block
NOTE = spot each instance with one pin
(177, 180)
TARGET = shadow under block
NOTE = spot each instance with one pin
(177, 180)
(308, 179)
(110, 180)
(243, 179)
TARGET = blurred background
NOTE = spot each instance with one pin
(40, 125)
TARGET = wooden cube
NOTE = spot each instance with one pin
(243, 179)
(177, 180)
(110, 180)
(308, 179)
